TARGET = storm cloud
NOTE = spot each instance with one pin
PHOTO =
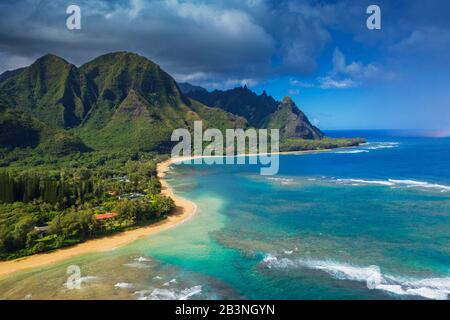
(216, 43)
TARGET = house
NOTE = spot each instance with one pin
(106, 216)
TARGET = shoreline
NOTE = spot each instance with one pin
(184, 211)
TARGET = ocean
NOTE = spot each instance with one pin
(369, 222)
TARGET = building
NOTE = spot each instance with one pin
(106, 216)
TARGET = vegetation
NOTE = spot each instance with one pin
(116, 101)
(292, 122)
(240, 101)
(260, 111)
(47, 202)
(51, 89)
(326, 143)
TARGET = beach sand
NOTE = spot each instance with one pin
(184, 210)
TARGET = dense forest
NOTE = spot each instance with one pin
(55, 201)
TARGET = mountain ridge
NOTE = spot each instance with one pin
(261, 111)
(124, 100)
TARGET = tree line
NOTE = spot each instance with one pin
(54, 190)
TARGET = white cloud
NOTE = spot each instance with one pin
(354, 69)
(299, 83)
(330, 83)
(348, 75)
(343, 75)
(214, 81)
(136, 7)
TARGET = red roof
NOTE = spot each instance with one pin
(108, 215)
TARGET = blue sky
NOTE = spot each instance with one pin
(319, 52)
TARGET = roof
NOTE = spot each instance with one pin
(108, 215)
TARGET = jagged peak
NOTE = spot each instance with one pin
(122, 55)
(288, 100)
(50, 57)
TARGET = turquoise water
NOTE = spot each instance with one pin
(371, 222)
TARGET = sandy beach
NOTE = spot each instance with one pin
(185, 209)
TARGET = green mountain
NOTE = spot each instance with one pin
(292, 122)
(139, 105)
(118, 100)
(51, 89)
(240, 101)
(261, 111)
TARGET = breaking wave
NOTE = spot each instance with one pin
(361, 181)
(168, 283)
(369, 146)
(143, 259)
(429, 288)
(139, 263)
(283, 181)
(380, 145)
(123, 285)
(397, 183)
(352, 151)
(420, 184)
(168, 294)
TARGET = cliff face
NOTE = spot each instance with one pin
(292, 122)
(51, 89)
(261, 111)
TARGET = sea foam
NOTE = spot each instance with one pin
(420, 184)
(381, 145)
(139, 263)
(123, 285)
(362, 181)
(407, 183)
(368, 147)
(168, 294)
(143, 259)
(430, 288)
(283, 181)
(351, 151)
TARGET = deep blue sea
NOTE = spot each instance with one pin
(370, 222)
